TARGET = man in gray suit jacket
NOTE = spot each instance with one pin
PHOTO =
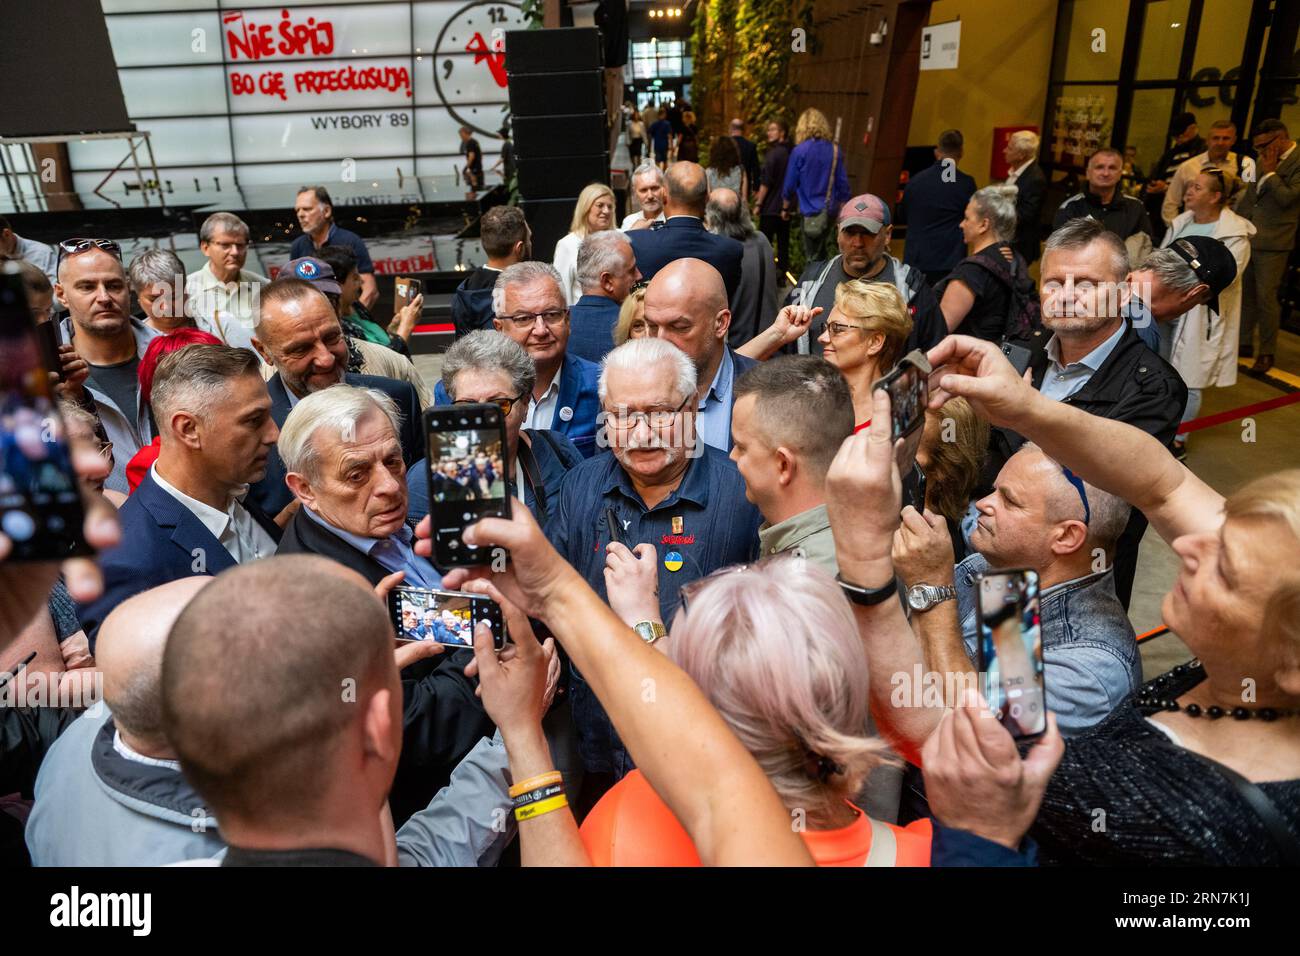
(1273, 205)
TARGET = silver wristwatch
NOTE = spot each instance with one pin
(922, 597)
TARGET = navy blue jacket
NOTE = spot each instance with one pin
(471, 306)
(161, 541)
(933, 209)
(591, 326)
(578, 405)
(271, 494)
(554, 455)
(705, 525)
(684, 237)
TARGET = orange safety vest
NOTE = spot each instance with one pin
(632, 826)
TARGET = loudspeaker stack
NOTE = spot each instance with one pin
(557, 107)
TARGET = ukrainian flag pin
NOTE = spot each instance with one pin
(673, 561)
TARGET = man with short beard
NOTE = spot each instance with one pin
(648, 184)
(679, 504)
(1094, 359)
(298, 333)
(92, 285)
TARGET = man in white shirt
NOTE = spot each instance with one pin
(187, 516)
(223, 295)
(1218, 153)
(14, 246)
(648, 184)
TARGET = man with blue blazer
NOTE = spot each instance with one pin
(606, 274)
(534, 314)
(933, 207)
(683, 235)
(299, 335)
(686, 304)
(189, 516)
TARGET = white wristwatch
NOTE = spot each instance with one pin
(922, 597)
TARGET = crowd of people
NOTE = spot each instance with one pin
(726, 595)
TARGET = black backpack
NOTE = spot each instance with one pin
(1025, 314)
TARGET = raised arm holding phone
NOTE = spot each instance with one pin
(681, 744)
(1177, 781)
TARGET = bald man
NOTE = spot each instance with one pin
(298, 764)
(683, 235)
(686, 303)
(110, 792)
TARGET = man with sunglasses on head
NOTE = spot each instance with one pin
(531, 309)
(1044, 517)
(661, 508)
(92, 285)
(1273, 205)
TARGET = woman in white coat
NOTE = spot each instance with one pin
(593, 213)
(1202, 345)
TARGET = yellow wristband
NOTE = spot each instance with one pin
(532, 783)
(531, 810)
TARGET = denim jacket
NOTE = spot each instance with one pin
(1090, 657)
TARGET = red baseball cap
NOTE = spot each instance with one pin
(868, 211)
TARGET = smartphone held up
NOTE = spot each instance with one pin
(41, 510)
(444, 617)
(908, 385)
(1011, 650)
(468, 471)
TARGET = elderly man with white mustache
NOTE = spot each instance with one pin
(661, 509)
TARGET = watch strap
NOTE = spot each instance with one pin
(868, 597)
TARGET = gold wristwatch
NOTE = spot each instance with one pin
(649, 631)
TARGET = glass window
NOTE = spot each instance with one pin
(1220, 40)
(1148, 127)
(1092, 32)
(1209, 103)
(1163, 33)
(1082, 120)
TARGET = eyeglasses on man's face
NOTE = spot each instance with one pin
(553, 318)
(505, 404)
(625, 420)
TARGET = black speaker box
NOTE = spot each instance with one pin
(544, 94)
(549, 220)
(559, 50)
(546, 137)
(561, 176)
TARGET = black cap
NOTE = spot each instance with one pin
(1183, 120)
(1210, 260)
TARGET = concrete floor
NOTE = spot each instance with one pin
(1218, 455)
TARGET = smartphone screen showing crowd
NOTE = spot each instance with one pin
(1011, 650)
(40, 503)
(444, 617)
(467, 477)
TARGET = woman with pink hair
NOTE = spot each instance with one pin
(775, 650)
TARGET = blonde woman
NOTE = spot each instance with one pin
(814, 165)
(864, 338)
(594, 213)
(631, 316)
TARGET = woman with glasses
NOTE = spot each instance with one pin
(864, 337)
(490, 367)
(1202, 343)
(593, 213)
